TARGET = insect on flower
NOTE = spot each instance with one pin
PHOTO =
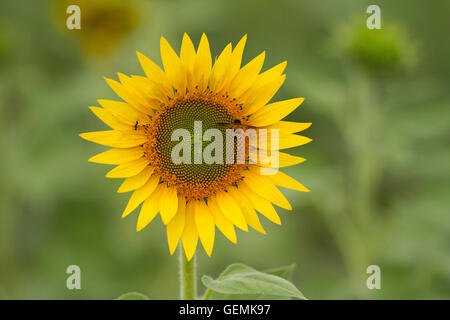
(195, 198)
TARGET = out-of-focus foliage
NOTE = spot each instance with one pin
(377, 167)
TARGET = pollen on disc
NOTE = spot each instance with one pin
(193, 180)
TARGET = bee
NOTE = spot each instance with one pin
(136, 125)
(236, 124)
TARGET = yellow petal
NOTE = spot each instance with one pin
(187, 56)
(153, 72)
(259, 96)
(114, 121)
(146, 97)
(205, 226)
(141, 194)
(234, 63)
(247, 75)
(203, 63)
(176, 225)
(236, 56)
(128, 169)
(219, 70)
(153, 93)
(168, 203)
(260, 204)
(293, 140)
(269, 81)
(264, 187)
(187, 52)
(289, 127)
(128, 96)
(274, 112)
(222, 223)
(116, 139)
(283, 141)
(117, 156)
(249, 213)
(124, 110)
(284, 160)
(190, 233)
(133, 183)
(231, 210)
(148, 211)
(283, 180)
(173, 67)
(270, 75)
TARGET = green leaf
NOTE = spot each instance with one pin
(132, 296)
(285, 272)
(239, 281)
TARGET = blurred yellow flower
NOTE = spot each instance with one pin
(104, 23)
(192, 199)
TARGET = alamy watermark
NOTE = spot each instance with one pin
(241, 146)
(374, 20)
(74, 279)
(374, 280)
(74, 20)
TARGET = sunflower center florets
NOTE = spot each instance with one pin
(194, 114)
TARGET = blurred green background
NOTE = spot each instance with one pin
(378, 167)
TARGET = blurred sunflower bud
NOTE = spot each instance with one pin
(104, 23)
(379, 51)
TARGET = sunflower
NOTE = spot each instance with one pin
(194, 198)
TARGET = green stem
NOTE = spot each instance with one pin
(207, 294)
(188, 271)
